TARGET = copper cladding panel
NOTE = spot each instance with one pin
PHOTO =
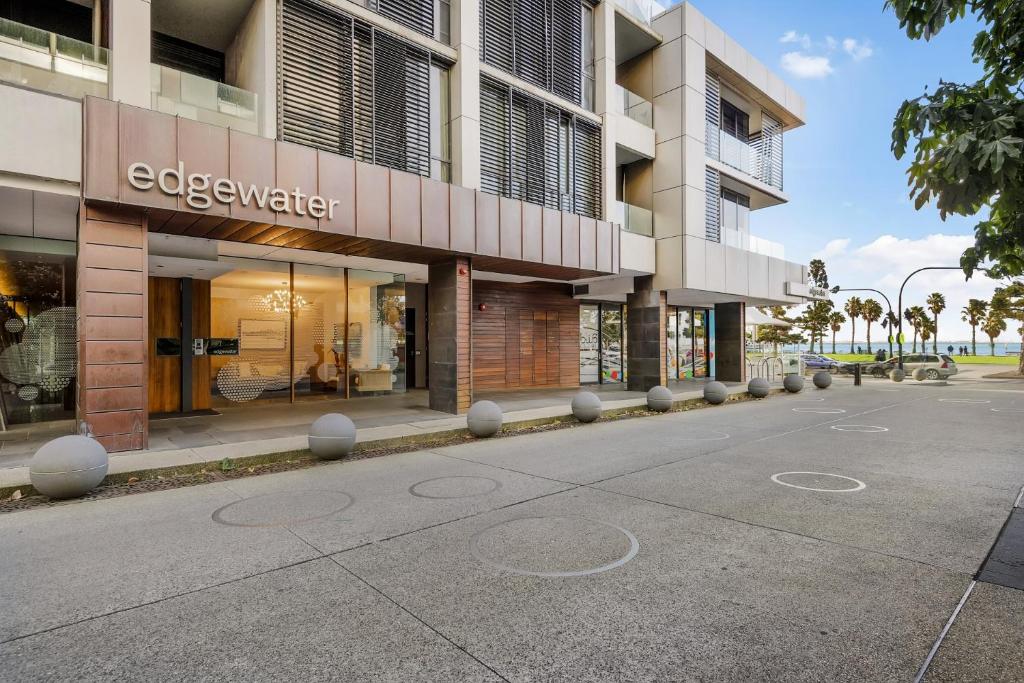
(463, 219)
(203, 149)
(100, 163)
(588, 243)
(570, 240)
(487, 232)
(372, 202)
(436, 215)
(552, 237)
(152, 138)
(510, 223)
(604, 247)
(533, 232)
(337, 180)
(405, 208)
(297, 168)
(252, 162)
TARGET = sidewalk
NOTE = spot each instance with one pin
(269, 429)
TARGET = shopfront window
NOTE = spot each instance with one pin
(612, 356)
(602, 343)
(700, 344)
(690, 343)
(319, 320)
(38, 340)
(590, 362)
(376, 332)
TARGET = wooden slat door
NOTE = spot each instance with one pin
(164, 321)
(526, 350)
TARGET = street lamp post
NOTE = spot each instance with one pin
(837, 289)
(899, 338)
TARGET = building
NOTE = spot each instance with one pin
(209, 204)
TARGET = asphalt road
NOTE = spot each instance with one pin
(673, 547)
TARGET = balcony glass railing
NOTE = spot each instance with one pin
(644, 10)
(747, 157)
(200, 99)
(741, 239)
(46, 61)
(631, 105)
(634, 219)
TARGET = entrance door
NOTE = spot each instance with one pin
(179, 369)
(410, 347)
(538, 348)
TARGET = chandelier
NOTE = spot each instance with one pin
(278, 301)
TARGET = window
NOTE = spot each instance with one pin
(360, 92)
(735, 219)
(533, 151)
(602, 343)
(735, 121)
(549, 43)
(416, 14)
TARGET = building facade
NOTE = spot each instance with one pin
(208, 205)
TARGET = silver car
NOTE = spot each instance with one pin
(936, 365)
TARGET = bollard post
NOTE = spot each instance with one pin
(856, 374)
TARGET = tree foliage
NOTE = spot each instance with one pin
(968, 138)
(871, 311)
(1008, 302)
(974, 314)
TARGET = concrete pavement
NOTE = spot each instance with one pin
(716, 544)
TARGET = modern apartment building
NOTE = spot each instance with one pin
(206, 205)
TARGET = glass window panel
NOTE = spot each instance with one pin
(700, 346)
(684, 323)
(589, 360)
(319, 322)
(376, 332)
(611, 343)
(671, 344)
(251, 303)
(38, 340)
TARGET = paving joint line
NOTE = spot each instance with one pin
(942, 634)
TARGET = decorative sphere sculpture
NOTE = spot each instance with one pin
(659, 399)
(715, 393)
(332, 436)
(794, 384)
(822, 379)
(920, 374)
(484, 419)
(897, 375)
(68, 466)
(586, 406)
(758, 387)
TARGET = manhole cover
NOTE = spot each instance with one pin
(819, 481)
(282, 509)
(445, 488)
(554, 546)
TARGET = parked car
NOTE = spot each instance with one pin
(814, 361)
(937, 366)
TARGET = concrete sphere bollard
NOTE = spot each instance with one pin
(659, 399)
(897, 375)
(332, 436)
(920, 374)
(484, 419)
(68, 466)
(822, 379)
(586, 406)
(794, 384)
(758, 387)
(715, 393)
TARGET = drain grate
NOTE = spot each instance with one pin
(1004, 565)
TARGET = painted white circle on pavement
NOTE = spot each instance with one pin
(858, 485)
(964, 400)
(820, 411)
(866, 429)
(1007, 410)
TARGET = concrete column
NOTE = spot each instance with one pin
(130, 44)
(730, 343)
(604, 100)
(645, 336)
(465, 93)
(449, 301)
(112, 332)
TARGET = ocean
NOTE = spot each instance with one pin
(984, 348)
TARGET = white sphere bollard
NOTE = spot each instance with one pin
(794, 384)
(897, 375)
(920, 374)
(586, 406)
(68, 466)
(484, 419)
(659, 399)
(332, 436)
(758, 387)
(822, 379)
(715, 393)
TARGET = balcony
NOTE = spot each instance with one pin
(634, 219)
(755, 158)
(45, 61)
(641, 10)
(634, 107)
(742, 239)
(200, 99)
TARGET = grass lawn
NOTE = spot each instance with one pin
(965, 360)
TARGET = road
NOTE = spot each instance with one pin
(672, 547)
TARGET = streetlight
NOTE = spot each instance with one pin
(837, 289)
(899, 339)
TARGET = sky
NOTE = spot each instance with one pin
(849, 201)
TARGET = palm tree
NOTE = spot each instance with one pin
(871, 312)
(974, 314)
(936, 304)
(993, 326)
(854, 307)
(835, 322)
(929, 328)
(914, 315)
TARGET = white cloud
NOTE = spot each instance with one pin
(830, 43)
(801, 39)
(883, 264)
(858, 50)
(806, 66)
